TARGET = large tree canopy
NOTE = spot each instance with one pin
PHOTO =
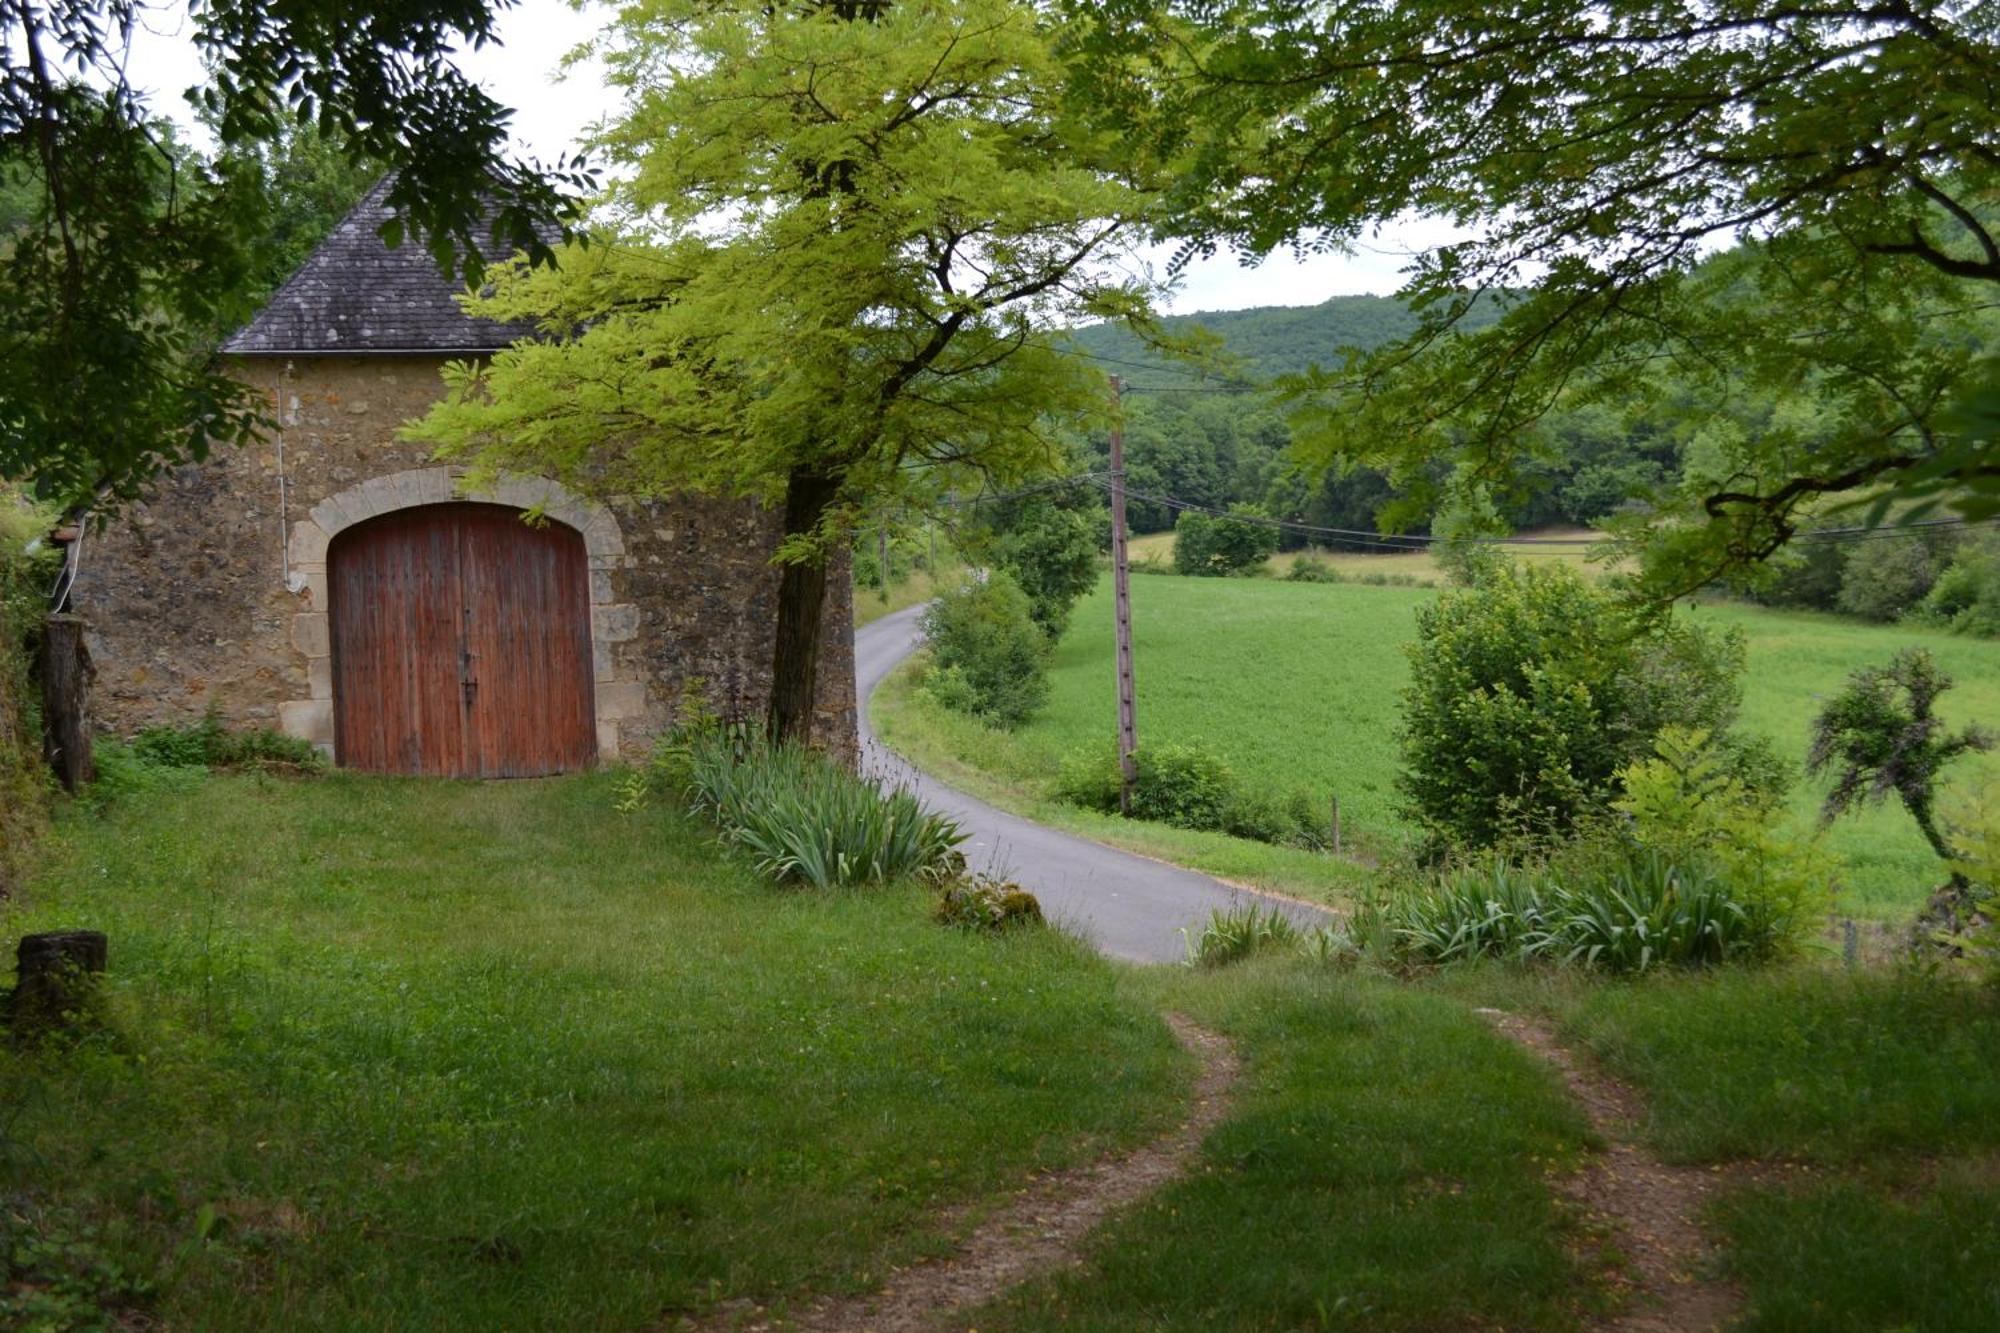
(1598, 156)
(849, 237)
(122, 252)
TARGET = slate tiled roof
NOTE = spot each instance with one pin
(355, 294)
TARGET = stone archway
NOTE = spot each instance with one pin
(619, 694)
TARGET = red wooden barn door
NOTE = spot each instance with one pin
(461, 644)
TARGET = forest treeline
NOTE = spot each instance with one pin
(1212, 432)
(1209, 434)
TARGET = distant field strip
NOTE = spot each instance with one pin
(1296, 686)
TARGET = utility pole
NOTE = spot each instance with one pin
(1128, 724)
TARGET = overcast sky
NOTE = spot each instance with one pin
(521, 73)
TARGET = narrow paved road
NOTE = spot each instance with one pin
(1126, 905)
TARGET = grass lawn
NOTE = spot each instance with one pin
(399, 1054)
(1296, 685)
(1387, 1166)
(1885, 1085)
(1011, 772)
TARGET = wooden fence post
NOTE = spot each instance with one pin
(66, 672)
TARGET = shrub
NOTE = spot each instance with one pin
(1183, 785)
(1311, 569)
(1189, 787)
(807, 819)
(1530, 692)
(1204, 545)
(1881, 580)
(1294, 821)
(1977, 931)
(1702, 869)
(1966, 596)
(1237, 933)
(208, 744)
(1805, 575)
(1693, 804)
(1881, 735)
(986, 632)
(1050, 550)
(25, 571)
(977, 902)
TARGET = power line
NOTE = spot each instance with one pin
(1420, 541)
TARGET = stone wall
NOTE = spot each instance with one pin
(212, 590)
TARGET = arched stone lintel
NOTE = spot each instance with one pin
(306, 553)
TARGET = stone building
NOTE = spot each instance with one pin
(340, 584)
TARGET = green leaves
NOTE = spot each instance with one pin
(846, 242)
(124, 256)
(1598, 157)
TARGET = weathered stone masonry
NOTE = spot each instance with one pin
(212, 592)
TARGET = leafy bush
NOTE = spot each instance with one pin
(1805, 575)
(978, 902)
(1220, 546)
(1692, 804)
(1530, 692)
(1311, 569)
(807, 819)
(1882, 736)
(986, 632)
(1183, 785)
(1049, 548)
(1978, 933)
(1966, 596)
(1295, 821)
(1189, 787)
(1701, 870)
(209, 744)
(25, 570)
(1883, 579)
(1237, 933)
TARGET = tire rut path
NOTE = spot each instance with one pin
(1649, 1205)
(1041, 1230)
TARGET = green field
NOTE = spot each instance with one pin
(409, 1054)
(416, 1054)
(1296, 686)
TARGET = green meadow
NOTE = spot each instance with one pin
(410, 1054)
(1296, 684)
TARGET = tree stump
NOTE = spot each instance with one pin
(56, 974)
(66, 674)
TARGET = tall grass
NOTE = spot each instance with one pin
(805, 819)
(1627, 913)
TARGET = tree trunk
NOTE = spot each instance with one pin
(56, 974)
(66, 673)
(1927, 824)
(801, 612)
